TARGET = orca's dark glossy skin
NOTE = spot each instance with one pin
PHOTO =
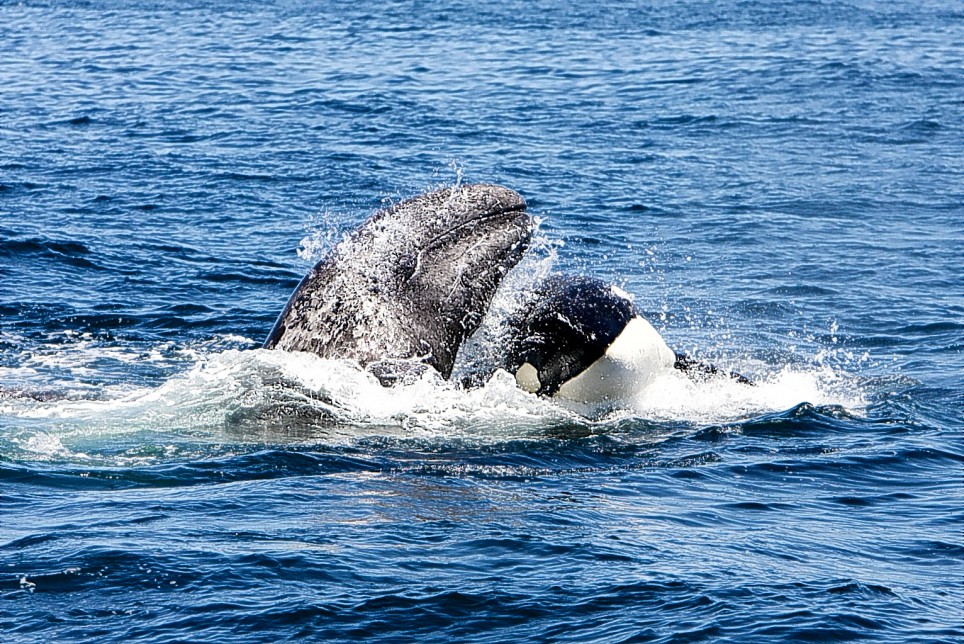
(695, 368)
(570, 323)
(412, 282)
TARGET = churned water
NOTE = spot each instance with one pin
(778, 184)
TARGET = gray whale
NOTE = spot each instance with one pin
(411, 283)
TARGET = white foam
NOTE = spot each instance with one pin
(677, 397)
(259, 395)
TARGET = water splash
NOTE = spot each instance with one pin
(217, 394)
(238, 397)
(324, 231)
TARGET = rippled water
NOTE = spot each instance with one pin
(779, 185)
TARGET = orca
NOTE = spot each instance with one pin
(403, 291)
(583, 340)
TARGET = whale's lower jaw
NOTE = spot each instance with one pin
(631, 363)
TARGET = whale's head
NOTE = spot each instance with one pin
(447, 251)
(451, 247)
(431, 240)
(411, 282)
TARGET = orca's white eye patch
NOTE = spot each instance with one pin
(528, 378)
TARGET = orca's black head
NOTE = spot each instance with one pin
(570, 323)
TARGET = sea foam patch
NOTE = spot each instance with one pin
(262, 396)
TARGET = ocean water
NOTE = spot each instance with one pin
(780, 186)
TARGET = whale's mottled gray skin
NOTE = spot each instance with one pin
(412, 282)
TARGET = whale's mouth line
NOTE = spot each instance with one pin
(484, 216)
(440, 238)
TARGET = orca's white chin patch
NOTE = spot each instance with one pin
(632, 362)
(527, 378)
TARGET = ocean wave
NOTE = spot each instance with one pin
(272, 397)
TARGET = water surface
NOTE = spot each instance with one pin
(777, 184)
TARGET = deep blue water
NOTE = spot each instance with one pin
(779, 184)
